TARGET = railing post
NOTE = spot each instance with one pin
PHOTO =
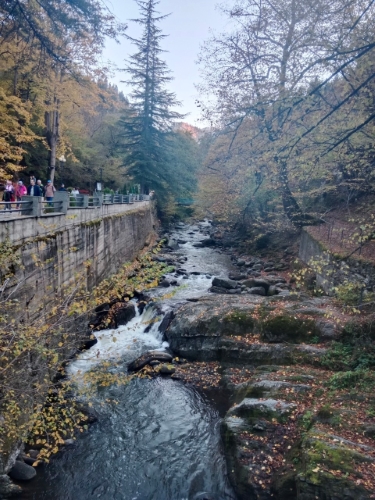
(62, 196)
(98, 197)
(85, 201)
(35, 208)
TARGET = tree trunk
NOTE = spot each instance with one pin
(291, 207)
(52, 120)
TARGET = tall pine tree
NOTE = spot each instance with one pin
(146, 129)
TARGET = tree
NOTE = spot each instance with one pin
(53, 42)
(146, 129)
(269, 73)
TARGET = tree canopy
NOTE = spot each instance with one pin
(292, 86)
(153, 154)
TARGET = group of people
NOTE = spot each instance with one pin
(14, 191)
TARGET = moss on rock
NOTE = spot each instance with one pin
(286, 328)
(238, 322)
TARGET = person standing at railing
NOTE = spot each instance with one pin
(75, 192)
(33, 189)
(49, 193)
(8, 195)
(20, 191)
(41, 187)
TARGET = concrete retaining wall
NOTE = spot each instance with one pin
(332, 271)
(52, 249)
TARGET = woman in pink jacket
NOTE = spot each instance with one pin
(20, 191)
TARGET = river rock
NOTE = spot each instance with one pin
(209, 242)
(257, 290)
(8, 489)
(22, 472)
(255, 282)
(22, 457)
(268, 408)
(172, 244)
(124, 313)
(167, 369)
(272, 291)
(218, 289)
(166, 321)
(102, 309)
(241, 262)
(269, 388)
(237, 276)
(165, 283)
(154, 363)
(158, 258)
(224, 283)
(144, 360)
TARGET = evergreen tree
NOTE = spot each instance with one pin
(146, 129)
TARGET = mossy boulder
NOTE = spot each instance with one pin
(264, 388)
(270, 409)
(238, 322)
(325, 468)
(287, 328)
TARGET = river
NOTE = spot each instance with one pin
(161, 439)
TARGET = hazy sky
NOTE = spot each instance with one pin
(188, 26)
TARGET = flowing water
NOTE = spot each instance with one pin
(161, 440)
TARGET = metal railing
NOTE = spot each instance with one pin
(63, 201)
(51, 207)
(19, 207)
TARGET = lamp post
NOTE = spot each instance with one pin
(62, 161)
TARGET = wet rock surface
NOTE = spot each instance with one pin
(22, 472)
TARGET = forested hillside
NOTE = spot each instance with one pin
(60, 119)
(293, 105)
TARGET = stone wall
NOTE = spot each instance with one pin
(333, 270)
(52, 249)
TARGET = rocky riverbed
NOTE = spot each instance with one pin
(295, 427)
(294, 424)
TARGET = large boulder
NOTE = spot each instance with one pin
(196, 331)
(219, 289)
(257, 282)
(288, 328)
(146, 358)
(172, 244)
(8, 489)
(166, 321)
(123, 313)
(22, 472)
(209, 242)
(253, 431)
(224, 283)
(328, 467)
(251, 408)
(257, 290)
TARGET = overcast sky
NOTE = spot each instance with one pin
(188, 27)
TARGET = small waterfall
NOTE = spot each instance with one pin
(124, 343)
